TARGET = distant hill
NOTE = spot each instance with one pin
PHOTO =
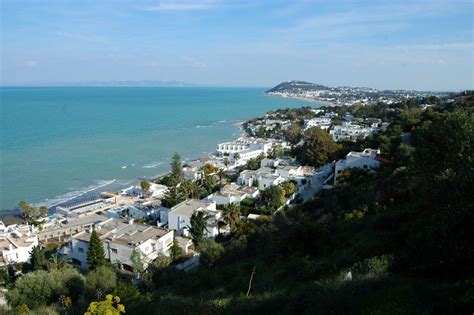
(294, 86)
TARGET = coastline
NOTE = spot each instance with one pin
(307, 99)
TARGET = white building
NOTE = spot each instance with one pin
(264, 177)
(156, 191)
(349, 131)
(319, 122)
(246, 148)
(366, 159)
(233, 193)
(63, 229)
(120, 240)
(15, 246)
(179, 217)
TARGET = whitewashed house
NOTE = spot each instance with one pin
(63, 229)
(366, 159)
(179, 217)
(15, 246)
(233, 193)
(263, 178)
(246, 148)
(349, 131)
(120, 239)
(323, 123)
(156, 191)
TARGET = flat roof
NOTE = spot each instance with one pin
(188, 207)
(118, 231)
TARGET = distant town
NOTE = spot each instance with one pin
(346, 95)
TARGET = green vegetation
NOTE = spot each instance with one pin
(198, 227)
(95, 253)
(30, 214)
(145, 186)
(318, 148)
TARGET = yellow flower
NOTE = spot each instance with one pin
(121, 308)
(109, 297)
(117, 299)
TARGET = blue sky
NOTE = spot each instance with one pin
(425, 45)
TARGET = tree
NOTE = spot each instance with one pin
(209, 169)
(95, 253)
(145, 186)
(226, 162)
(190, 189)
(289, 188)
(209, 183)
(43, 211)
(293, 133)
(318, 147)
(172, 197)
(40, 288)
(56, 262)
(210, 251)
(175, 251)
(273, 197)
(102, 278)
(28, 212)
(198, 226)
(237, 156)
(110, 306)
(231, 214)
(176, 168)
(138, 261)
(222, 175)
(444, 166)
(37, 259)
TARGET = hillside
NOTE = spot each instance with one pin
(297, 86)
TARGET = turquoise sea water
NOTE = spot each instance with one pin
(60, 142)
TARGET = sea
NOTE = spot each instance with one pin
(58, 144)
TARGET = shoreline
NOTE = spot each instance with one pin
(312, 100)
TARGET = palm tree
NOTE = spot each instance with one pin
(222, 174)
(231, 214)
(56, 262)
(190, 189)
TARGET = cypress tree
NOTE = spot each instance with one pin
(95, 253)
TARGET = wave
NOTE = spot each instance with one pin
(215, 123)
(153, 164)
(74, 194)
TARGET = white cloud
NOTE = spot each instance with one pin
(182, 6)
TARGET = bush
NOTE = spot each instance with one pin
(40, 288)
(102, 278)
(210, 252)
(377, 266)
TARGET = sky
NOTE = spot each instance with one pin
(423, 45)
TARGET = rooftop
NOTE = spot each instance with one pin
(188, 207)
(119, 231)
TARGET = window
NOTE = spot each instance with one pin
(81, 250)
(114, 250)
